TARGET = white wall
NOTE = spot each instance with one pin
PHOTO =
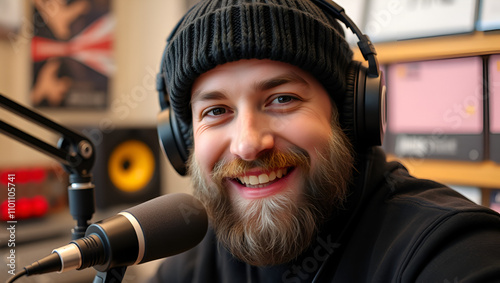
(141, 30)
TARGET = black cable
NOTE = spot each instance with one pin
(47, 264)
(17, 276)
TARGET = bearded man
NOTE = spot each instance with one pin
(294, 193)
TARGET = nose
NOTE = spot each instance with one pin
(251, 136)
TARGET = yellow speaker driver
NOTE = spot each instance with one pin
(131, 165)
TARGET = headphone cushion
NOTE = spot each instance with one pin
(186, 132)
(362, 112)
(347, 107)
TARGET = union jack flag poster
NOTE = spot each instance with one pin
(71, 51)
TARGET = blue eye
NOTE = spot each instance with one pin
(284, 99)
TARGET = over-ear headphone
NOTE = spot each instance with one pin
(362, 113)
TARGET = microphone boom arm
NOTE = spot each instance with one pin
(75, 153)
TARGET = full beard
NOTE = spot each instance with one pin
(276, 229)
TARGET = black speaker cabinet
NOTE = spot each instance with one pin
(126, 170)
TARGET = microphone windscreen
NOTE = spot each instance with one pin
(171, 224)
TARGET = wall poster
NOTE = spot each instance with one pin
(72, 53)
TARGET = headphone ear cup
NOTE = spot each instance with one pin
(174, 140)
(347, 110)
(375, 113)
(363, 113)
(174, 137)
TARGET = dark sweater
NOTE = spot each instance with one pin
(394, 228)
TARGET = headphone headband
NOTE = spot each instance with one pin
(365, 45)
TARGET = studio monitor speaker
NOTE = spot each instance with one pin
(126, 170)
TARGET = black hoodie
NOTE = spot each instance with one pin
(394, 228)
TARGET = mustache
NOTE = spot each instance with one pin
(267, 161)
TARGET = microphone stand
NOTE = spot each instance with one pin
(77, 155)
(74, 152)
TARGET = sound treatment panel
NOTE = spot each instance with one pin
(494, 88)
(489, 15)
(127, 166)
(390, 20)
(435, 109)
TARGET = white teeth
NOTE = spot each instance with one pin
(254, 180)
(279, 174)
(272, 176)
(263, 178)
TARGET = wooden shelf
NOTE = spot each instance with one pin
(477, 43)
(485, 174)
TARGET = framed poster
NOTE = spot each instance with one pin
(72, 53)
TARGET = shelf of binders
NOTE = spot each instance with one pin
(484, 174)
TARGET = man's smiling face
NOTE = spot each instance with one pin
(267, 161)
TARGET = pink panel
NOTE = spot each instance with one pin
(494, 86)
(436, 97)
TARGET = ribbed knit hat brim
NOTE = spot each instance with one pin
(216, 32)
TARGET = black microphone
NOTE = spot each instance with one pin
(162, 227)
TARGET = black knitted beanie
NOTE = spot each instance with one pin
(215, 32)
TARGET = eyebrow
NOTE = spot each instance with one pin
(282, 79)
(267, 84)
(211, 95)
